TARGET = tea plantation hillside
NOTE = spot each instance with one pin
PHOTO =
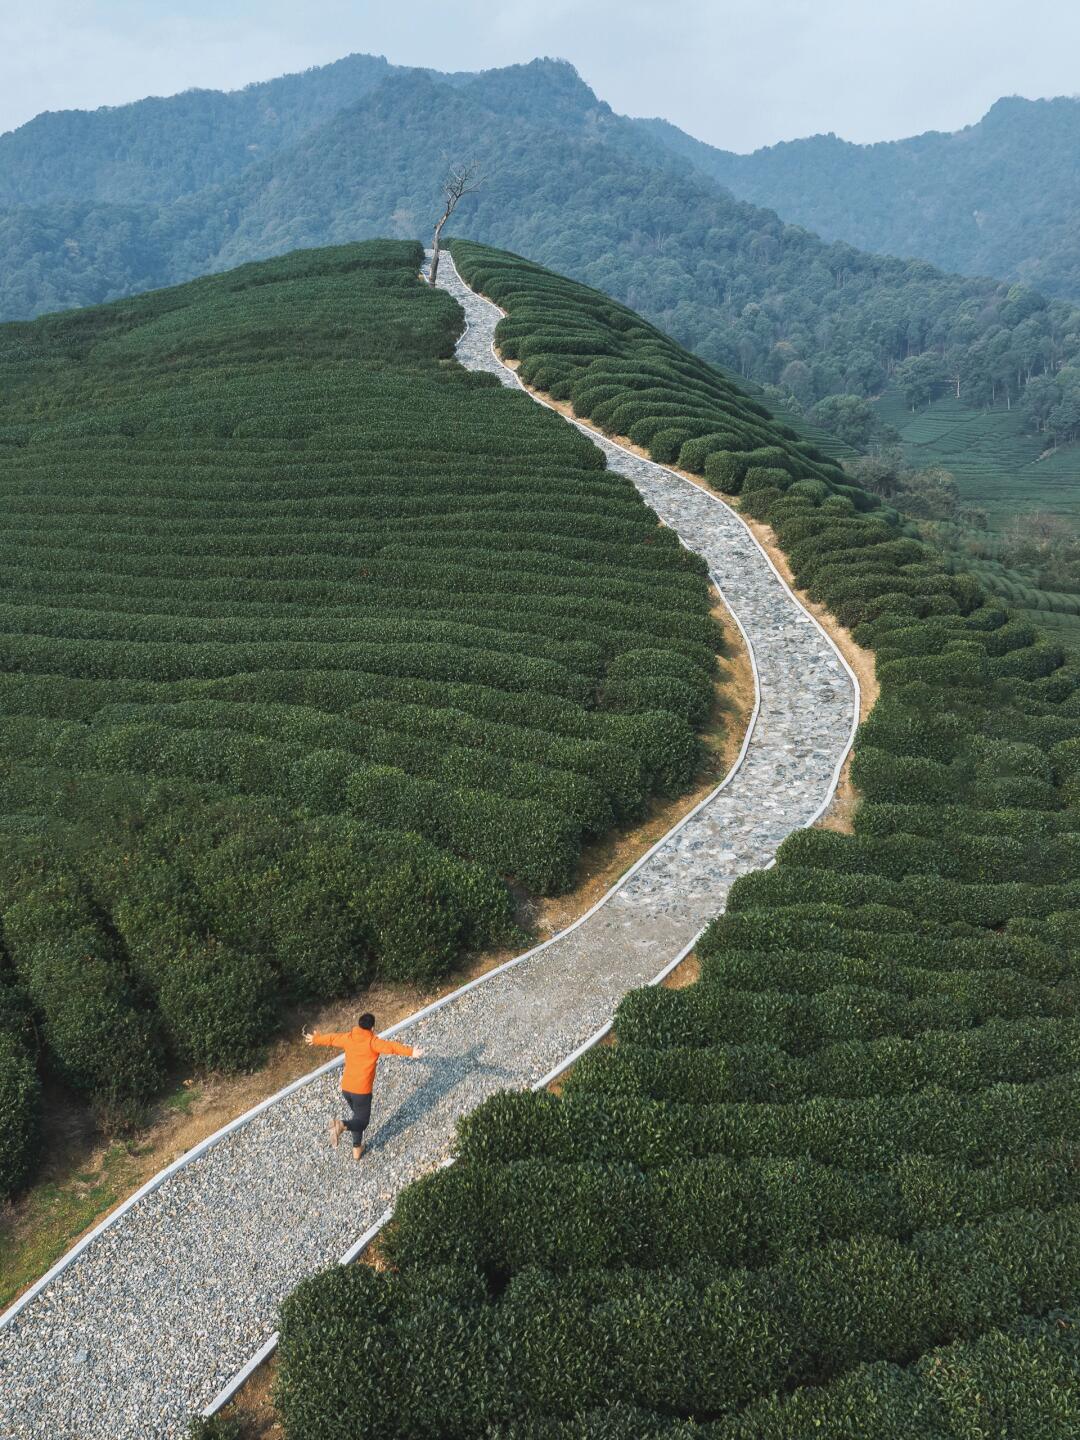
(309, 642)
(832, 1188)
(998, 463)
(1003, 470)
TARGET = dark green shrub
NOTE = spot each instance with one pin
(16, 1013)
(1014, 1051)
(882, 776)
(815, 490)
(914, 732)
(669, 750)
(1066, 761)
(759, 505)
(695, 452)
(665, 444)
(801, 1023)
(1024, 1376)
(19, 1115)
(655, 680)
(97, 1037)
(217, 1005)
(876, 934)
(739, 1334)
(761, 477)
(1030, 663)
(724, 470)
(868, 1134)
(721, 1212)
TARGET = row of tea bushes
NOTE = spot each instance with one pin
(1027, 1378)
(629, 379)
(221, 914)
(436, 1357)
(727, 1212)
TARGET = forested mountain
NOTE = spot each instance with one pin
(569, 183)
(1001, 197)
(158, 149)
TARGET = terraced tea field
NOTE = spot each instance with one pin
(1061, 627)
(309, 642)
(995, 462)
(830, 1187)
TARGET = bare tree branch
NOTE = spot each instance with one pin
(461, 179)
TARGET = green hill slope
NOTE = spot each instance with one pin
(830, 1188)
(309, 642)
(998, 464)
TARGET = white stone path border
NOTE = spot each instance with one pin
(44, 1392)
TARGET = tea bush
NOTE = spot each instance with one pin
(19, 1114)
(1025, 1377)
(704, 1340)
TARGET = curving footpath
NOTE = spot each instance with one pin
(142, 1324)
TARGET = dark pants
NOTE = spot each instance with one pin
(360, 1108)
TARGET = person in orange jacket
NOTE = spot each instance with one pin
(362, 1050)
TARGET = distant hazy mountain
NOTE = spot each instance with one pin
(103, 204)
(998, 198)
(159, 149)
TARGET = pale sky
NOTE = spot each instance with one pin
(738, 73)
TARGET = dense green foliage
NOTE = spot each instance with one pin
(831, 1188)
(160, 149)
(1032, 562)
(309, 640)
(1000, 197)
(853, 419)
(107, 204)
(217, 1427)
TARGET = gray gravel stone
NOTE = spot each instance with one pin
(148, 1323)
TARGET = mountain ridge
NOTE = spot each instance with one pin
(1000, 196)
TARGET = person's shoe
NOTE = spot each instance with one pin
(357, 1151)
(337, 1129)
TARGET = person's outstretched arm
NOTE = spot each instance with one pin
(316, 1038)
(392, 1047)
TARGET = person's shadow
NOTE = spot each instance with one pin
(443, 1073)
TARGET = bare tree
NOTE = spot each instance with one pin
(461, 179)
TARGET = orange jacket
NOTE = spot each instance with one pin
(362, 1050)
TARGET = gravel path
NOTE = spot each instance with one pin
(152, 1318)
